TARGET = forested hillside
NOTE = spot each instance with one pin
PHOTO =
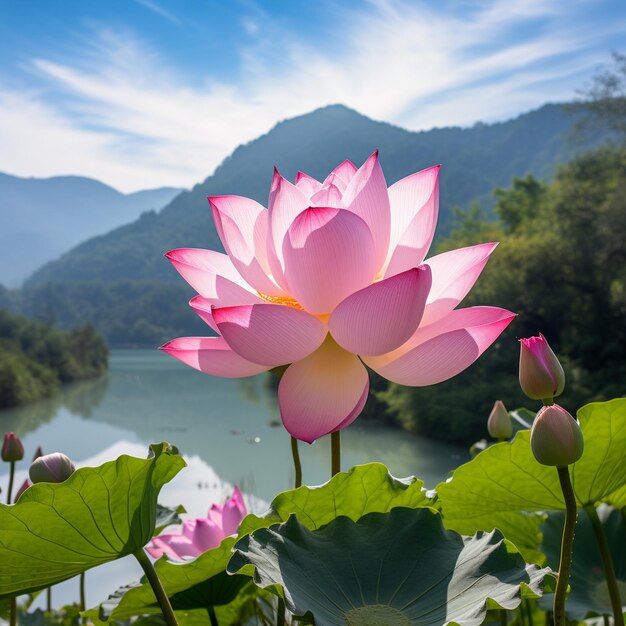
(36, 358)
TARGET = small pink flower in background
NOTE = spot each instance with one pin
(25, 485)
(202, 534)
(541, 375)
(331, 276)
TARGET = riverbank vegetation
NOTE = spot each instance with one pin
(36, 358)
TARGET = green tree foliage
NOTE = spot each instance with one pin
(605, 100)
(36, 358)
(561, 265)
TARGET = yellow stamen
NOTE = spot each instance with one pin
(282, 300)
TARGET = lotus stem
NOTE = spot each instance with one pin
(529, 612)
(567, 544)
(335, 446)
(13, 603)
(609, 569)
(280, 611)
(212, 616)
(157, 587)
(11, 478)
(49, 599)
(296, 462)
(81, 583)
(503, 618)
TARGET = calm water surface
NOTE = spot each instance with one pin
(226, 430)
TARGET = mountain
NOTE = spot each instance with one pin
(475, 160)
(120, 281)
(43, 217)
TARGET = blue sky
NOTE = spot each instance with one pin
(144, 93)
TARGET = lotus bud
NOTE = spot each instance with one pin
(51, 468)
(541, 376)
(25, 485)
(12, 448)
(38, 453)
(499, 423)
(556, 438)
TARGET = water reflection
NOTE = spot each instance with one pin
(230, 424)
(78, 399)
(225, 428)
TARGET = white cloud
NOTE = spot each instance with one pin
(124, 115)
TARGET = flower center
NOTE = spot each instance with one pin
(294, 304)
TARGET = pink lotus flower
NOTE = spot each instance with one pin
(202, 534)
(330, 276)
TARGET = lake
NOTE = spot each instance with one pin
(226, 429)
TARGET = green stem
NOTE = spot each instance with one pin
(49, 599)
(609, 570)
(81, 583)
(11, 477)
(280, 611)
(335, 445)
(529, 613)
(157, 587)
(296, 462)
(503, 618)
(13, 603)
(212, 616)
(567, 544)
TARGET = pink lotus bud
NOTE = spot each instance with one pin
(38, 453)
(12, 448)
(51, 468)
(25, 485)
(499, 423)
(540, 373)
(556, 438)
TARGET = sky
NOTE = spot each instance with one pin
(148, 93)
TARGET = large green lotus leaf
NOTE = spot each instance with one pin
(167, 516)
(363, 489)
(617, 498)
(196, 584)
(395, 568)
(506, 479)
(56, 531)
(589, 594)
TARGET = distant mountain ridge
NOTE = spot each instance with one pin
(44, 217)
(475, 160)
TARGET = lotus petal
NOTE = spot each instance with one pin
(271, 334)
(382, 316)
(323, 392)
(366, 195)
(454, 274)
(444, 349)
(212, 355)
(414, 206)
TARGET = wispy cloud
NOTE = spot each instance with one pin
(123, 113)
(159, 10)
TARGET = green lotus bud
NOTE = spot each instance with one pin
(556, 438)
(499, 423)
(51, 468)
(12, 448)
